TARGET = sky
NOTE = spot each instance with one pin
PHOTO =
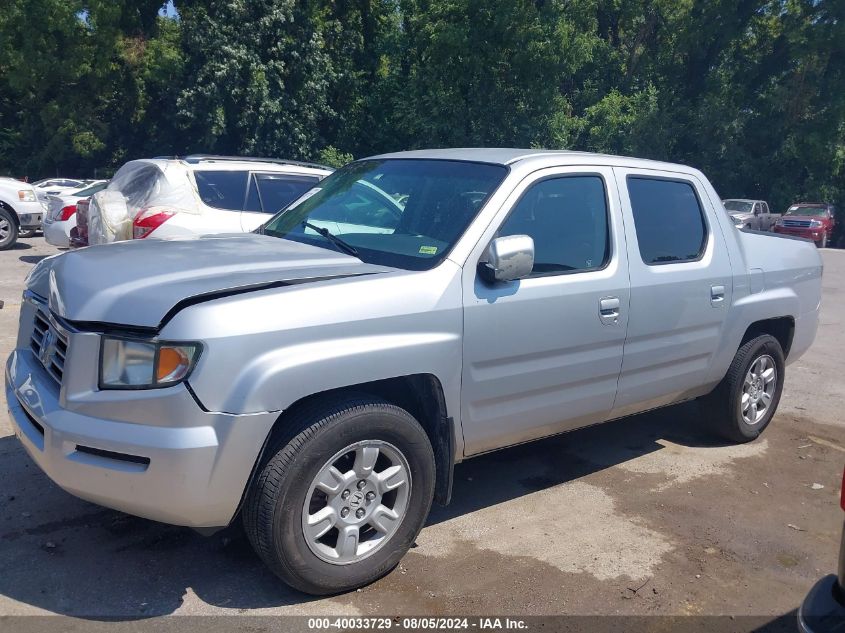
(169, 10)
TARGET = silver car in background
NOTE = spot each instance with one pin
(319, 378)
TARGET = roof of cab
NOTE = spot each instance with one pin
(511, 156)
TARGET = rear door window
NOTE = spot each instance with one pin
(668, 219)
(222, 189)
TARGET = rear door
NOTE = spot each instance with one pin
(269, 193)
(222, 192)
(758, 222)
(542, 354)
(681, 285)
(768, 215)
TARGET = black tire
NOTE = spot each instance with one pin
(273, 510)
(723, 404)
(9, 223)
(822, 243)
(27, 234)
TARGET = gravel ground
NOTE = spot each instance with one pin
(649, 515)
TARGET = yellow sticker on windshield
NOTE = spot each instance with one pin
(428, 250)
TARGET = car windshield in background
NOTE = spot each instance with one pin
(406, 213)
(740, 206)
(90, 191)
(806, 211)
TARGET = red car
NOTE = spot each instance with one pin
(79, 234)
(810, 220)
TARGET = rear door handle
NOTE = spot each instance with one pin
(717, 295)
(609, 310)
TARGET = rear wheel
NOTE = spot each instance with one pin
(337, 506)
(743, 404)
(8, 229)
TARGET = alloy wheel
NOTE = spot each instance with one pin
(758, 389)
(356, 502)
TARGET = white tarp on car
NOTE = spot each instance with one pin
(137, 187)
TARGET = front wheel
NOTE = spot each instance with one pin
(822, 243)
(8, 229)
(337, 506)
(743, 404)
(27, 234)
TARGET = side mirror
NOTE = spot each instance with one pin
(508, 259)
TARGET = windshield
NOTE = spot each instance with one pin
(799, 210)
(741, 206)
(406, 213)
(90, 191)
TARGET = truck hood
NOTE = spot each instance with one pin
(142, 283)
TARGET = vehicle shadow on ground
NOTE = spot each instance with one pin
(32, 259)
(20, 246)
(507, 474)
(66, 556)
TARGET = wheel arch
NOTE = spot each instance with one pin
(14, 214)
(421, 395)
(782, 328)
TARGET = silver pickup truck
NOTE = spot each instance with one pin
(320, 378)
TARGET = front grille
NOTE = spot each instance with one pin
(49, 345)
(801, 224)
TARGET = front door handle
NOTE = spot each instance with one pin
(717, 295)
(609, 310)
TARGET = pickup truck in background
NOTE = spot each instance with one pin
(20, 211)
(751, 214)
(319, 378)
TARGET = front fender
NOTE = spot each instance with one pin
(279, 377)
(267, 349)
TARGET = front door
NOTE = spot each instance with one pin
(543, 354)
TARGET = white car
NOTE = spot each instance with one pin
(20, 211)
(58, 183)
(55, 186)
(60, 216)
(196, 195)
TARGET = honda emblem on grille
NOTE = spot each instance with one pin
(48, 347)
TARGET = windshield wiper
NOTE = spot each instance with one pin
(334, 239)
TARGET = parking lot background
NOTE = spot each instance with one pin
(646, 515)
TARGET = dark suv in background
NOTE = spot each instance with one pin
(811, 220)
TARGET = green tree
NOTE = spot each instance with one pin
(256, 75)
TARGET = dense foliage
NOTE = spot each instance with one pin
(750, 91)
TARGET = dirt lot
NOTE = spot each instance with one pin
(646, 515)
